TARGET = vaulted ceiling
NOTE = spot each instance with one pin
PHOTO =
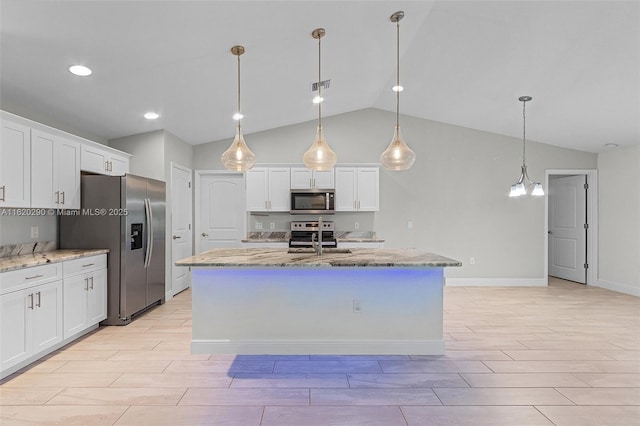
(464, 63)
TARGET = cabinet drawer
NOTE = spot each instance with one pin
(84, 264)
(28, 277)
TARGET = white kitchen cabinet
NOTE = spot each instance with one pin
(55, 171)
(15, 165)
(303, 178)
(103, 161)
(85, 293)
(268, 189)
(357, 189)
(31, 313)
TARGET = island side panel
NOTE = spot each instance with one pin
(311, 310)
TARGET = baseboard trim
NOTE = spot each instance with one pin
(319, 347)
(496, 282)
(618, 287)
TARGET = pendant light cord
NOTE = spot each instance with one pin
(524, 130)
(398, 74)
(239, 91)
(319, 82)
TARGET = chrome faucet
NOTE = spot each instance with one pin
(317, 246)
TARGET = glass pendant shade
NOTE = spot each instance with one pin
(398, 155)
(319, 156)
(238, 156)
(537, 190)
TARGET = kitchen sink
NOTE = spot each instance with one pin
(324, 251)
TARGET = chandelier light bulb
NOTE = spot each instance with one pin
(397, 88)
(398, 155)
(237, 116)
(317, 100)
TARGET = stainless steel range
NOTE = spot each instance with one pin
(304, 233)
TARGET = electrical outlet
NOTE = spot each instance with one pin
(472, 261)
(357, 308)
(272, 226)
(258, 225)
(410, 225)
(356, 225)
(34, 232)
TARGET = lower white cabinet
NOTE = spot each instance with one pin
(31, 317)
(85, 293)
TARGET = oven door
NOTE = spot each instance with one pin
(313, 201)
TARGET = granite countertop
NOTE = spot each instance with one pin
(252, 257)
(34, 259)
(341, 236)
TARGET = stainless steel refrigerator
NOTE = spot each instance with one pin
(125, 214)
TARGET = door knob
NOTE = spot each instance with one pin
(204, 234)
(175, 237)
(549, 232)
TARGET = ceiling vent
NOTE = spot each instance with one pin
(324, 84)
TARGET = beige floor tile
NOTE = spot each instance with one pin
(559, 355)
(217, 396)
(572, 345)
(114, 367)
(500, 396)
(523, 380)
(417, 380)
(290, 381)
(370, 396)
(474, 416)
(88, 380)
(118, 396)
(336, 416)
(74, 355)
(601, 380)
(563, 366)
(117, 346)
(443, 366)
(484, 345)
(602, 396)
(192, 415)
(229, 367)
(157, 356)
(168, 345)
(176, 380)
(26, 396)
(344, 366)
(43, 366)
(358, 357)
(624, 355)
(60, 415)
(472, 355)
(592, 416)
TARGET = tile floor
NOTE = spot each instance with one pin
(559, 355)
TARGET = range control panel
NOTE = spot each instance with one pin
(311, 226)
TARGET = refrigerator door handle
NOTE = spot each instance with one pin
(147, 215)
(150, 227)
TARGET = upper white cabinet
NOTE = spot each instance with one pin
(303, 178)
(15, 165)
(268, 189)
(357, 189)
(95, 159)
(55, 171)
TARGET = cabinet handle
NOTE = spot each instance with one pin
(57, 197)
(175, 237)
(310, 183)
(358, 204)
(314, 182)
(87, 265)
(38, 304)
(4, 190)
(86, 284)
(62, 197)
(33, 277)
(91, 283)
(106, 166)
(31, 301)
(110, 166)
(204, 234)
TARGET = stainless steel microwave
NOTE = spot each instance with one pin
(313, 201)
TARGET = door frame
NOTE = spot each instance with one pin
(592, 220)
(169, 228)
(197, 181)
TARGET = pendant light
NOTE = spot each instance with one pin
(520, 187)
(398, 155)
(238, 156)
(319, 156)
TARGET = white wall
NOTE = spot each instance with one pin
(17, 229)
(148, 153)
(456, 194)
(619, 220)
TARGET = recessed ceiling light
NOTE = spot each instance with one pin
(80, 70)
(611, 145)
(151, 115)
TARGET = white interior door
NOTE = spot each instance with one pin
(221, 210)
(567, 228)
(181, 233)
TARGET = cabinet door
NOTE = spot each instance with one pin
(279, 189)
(44, 183)
(118, 166)
(93, 159)
(75, 304)
(324, 179)
(301, 178)
(67, 166)
(47, 315)
(15, 165)
(368, 189)
(15, 339)
(346, 188)
(97, 297)
(257, 189)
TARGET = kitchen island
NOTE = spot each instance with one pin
(362, 301)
